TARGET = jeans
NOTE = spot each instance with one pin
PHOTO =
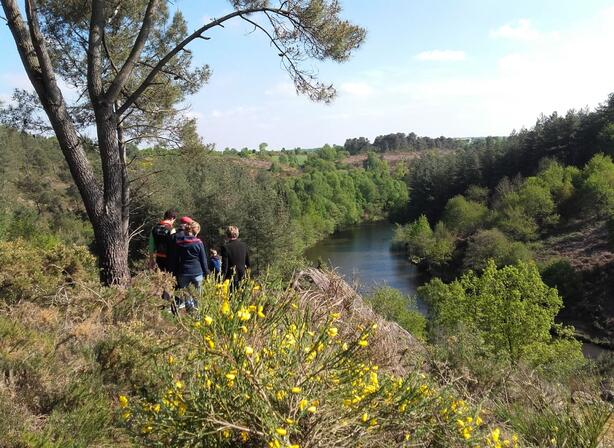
(186, 280)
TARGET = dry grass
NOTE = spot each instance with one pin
(391, 347)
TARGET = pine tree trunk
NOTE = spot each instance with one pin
(112, 250)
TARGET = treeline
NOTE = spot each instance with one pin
(503, 223)
(401, 142)
(329, 195)
(279, 215)
(571, 139)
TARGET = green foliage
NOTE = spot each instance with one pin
(36, 273)
(510, 308)
(552, 425)
(492, 244)
(393, 305)
(559, 274)
(597, 185)
(435, 247)
(464, 217)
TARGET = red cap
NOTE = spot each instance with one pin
(186, 220)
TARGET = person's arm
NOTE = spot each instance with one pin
(224, 269)
(151, 249)
(203, 260)
(247, 263)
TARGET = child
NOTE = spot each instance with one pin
(215, 263)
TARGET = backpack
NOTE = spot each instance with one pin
(162, 237)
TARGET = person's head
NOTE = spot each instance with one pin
(170, 215)
(185, 220)
(232, 232)
(193, 228)
(212, 253)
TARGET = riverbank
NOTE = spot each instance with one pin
(363, 255)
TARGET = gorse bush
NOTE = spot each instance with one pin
(259, 371)
(36, 273)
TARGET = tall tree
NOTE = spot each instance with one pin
(130, 64)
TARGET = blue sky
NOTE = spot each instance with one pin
(454, 68)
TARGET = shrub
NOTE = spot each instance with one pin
(35, 273)
(393, 305)
(260, 372)
(493, 244)
(463, 216)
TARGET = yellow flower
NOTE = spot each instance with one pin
(244, 436)
(281, 431)
(170, 360)
(123, 401)
(230, 376)
(295, 390)
(260, 313)
(364, 417)
(256, 288)
(495, 434)
(312, 409)
(363, 343)
(274, 444)
(478, 421)
(179, 384)
(332, 332)
(156, 408)
(335, 316)
(249, 351)
(208, 320)
(243, 314)
(344, 346)
(225, 308)
(467, 432)
(303, 404)
(226, 434)
(294, 445)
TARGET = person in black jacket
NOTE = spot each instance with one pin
(235, 257)
(189, 258)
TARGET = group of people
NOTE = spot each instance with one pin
(180, 252)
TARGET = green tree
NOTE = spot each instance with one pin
(492, 244)
(463, 216)
(511, 308)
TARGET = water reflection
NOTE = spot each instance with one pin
(362, 255)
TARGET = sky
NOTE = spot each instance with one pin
(459, 68)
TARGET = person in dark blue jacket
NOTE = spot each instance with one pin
(215, 263)
(190, 258)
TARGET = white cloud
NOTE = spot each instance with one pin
(360, 89)
(519, 30)
(441, 55)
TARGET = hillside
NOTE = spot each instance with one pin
(303, 365)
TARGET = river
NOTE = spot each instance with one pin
(362, 255)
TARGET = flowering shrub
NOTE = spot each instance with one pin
(255, 370)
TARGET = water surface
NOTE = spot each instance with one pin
(362, 255)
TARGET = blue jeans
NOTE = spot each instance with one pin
(183, 281)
